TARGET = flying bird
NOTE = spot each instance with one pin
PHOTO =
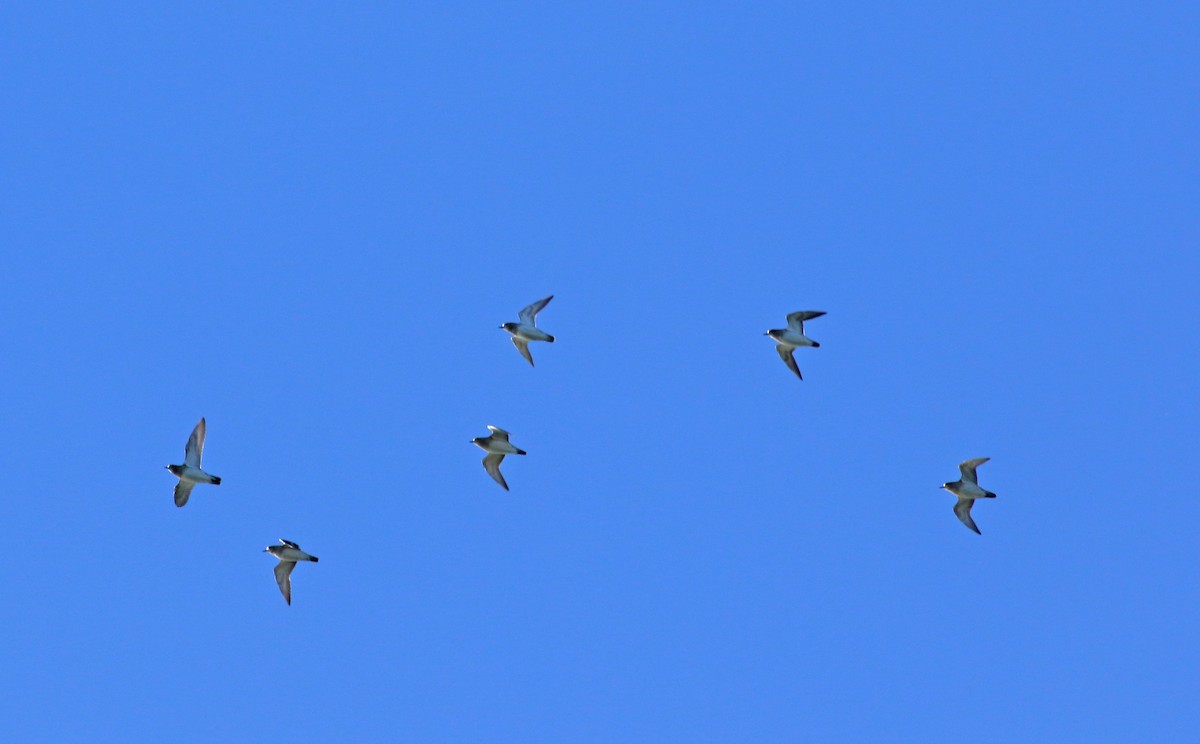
(288, 554)
(792, 337)
(967, 490)
(497, 446)
(526, 330)
(189, 473)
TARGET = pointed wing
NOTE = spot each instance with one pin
(785, 353)
(183, 490)
(498, 433)
(796, 320)
(967, 468)
(195, 446)
(283, 577)
(963, 510)
(289, 543)
(491, 464)
(523, 347)
(529, 314)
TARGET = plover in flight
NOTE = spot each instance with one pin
(792, 337)
(967, 490)
(288, 554)
(189, 473)
(497, 446)
(526, 330)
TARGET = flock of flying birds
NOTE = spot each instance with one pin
(497, 444)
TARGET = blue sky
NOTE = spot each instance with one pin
(306, 222)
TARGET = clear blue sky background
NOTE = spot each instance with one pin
(305, 222)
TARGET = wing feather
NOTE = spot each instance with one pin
(967, 468)
(529, 314)
(283, 577)
(963, 510)
(796, 320)
(785, 353)
(183, 491)
(194, 450)
(491, 464)
(523, 347)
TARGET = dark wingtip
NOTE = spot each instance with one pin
(816, 345)
(216, 481)
(316, 559)
(520, 452)
(551, 339)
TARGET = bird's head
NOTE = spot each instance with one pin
(510, 327)
(175, 469)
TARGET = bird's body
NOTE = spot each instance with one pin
(190, 473)
(497, 443)
(791, 338)
(497, 446)
(794, 339)
(288, 553)
(531, 333)
(967, 490)
(193, 475)
(526, 329)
